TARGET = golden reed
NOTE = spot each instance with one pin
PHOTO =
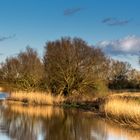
(124, 111)
(40, 98)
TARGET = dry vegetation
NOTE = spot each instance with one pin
(123, 110)
(46, 98)
(39, 98)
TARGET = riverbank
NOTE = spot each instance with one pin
(123, 108)
(46, 98)
(36, 98)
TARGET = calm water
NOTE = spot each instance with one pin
(19, 122)
(3, 95)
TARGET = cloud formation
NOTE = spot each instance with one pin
(68, 12)
(3, 38)
(111, 21)
(129, 45)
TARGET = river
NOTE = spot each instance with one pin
(21, 122)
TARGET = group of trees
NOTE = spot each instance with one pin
(68, 66)
(24, 71)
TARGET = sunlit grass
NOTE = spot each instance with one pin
(124, 111)
(125, 94)
(40, 98)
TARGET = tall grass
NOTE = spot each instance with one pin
(124, 111)
(40, 98)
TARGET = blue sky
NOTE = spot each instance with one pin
(113, 25)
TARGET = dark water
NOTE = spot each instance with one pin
(19, 122)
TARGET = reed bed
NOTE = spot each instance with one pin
(124, 111)
(126, 95)
(39, 98)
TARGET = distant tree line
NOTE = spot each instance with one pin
(68, 66)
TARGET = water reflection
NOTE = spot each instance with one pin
(3, 95)
(54, 123)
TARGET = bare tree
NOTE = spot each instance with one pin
(26, 70)
(118, 74)
(31, 67)
(10, 69)
(71, 65)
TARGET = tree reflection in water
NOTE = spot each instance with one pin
(54, 123)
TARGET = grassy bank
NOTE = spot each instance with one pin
(44, 98)
(123, 109)
(37, 98)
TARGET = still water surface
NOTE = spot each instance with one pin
(18, 122)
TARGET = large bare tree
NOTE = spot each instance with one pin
(72, 65)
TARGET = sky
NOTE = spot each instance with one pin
(113, 25)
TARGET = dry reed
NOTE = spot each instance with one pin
(126, 112)
(40, 98)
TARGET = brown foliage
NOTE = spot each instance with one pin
(25, 70)
(72, 65)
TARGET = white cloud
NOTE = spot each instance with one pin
(128, 45)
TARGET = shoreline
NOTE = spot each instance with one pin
(103, 107)
(96, 112)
